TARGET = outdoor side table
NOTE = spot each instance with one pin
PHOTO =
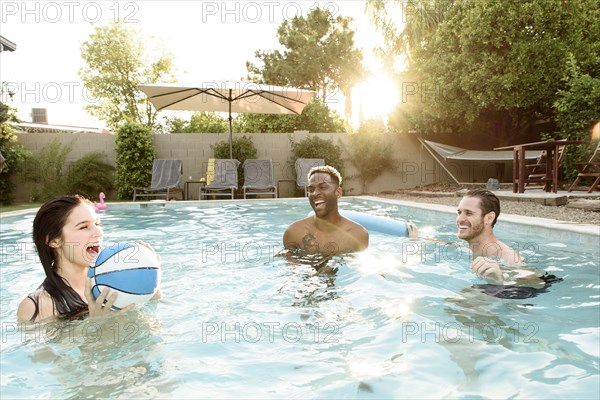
(186, 189)
(283, 180)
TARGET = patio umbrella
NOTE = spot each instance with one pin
(226, 96)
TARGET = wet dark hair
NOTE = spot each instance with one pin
(47, 226)
(488, 202)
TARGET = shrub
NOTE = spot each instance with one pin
(242, 148)
(53, 177)
(370, 152)
(47, 171)
(15, 155)
(314, 147)
(13, 152)
(90, 175)
(135, 155)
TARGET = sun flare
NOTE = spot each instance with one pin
(374, 98)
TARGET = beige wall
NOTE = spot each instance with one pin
(417, 165)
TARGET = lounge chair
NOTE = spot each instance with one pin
(303, 165)
(166, 175)
(589, 171)
(225, 181)
(258, 178)
(540, 174)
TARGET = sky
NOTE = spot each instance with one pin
(209, 40)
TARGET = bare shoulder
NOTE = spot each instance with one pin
(353, 226)
(28, 307)
(360, 234)
(298, 226)
(511, 256)
(293, 234)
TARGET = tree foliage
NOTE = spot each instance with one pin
(135, 155)
(13, 152)
(319, 55)
(486, 68)
(90, 175)
(53, 176)
(116, 63)
(200, 122)
(315, 147)
(577, 110)
(370, 151)
(316, 117)
(48, 171)
(242, 149)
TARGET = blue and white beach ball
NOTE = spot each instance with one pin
(130, 269)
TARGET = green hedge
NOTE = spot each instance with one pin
(135, 155)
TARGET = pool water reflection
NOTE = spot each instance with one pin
(400, 320)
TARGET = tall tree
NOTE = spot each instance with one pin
(484, 67)
(319, 55)
(116, 62)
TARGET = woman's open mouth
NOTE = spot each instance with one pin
(92, 251)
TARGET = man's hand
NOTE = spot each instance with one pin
(488, 269)
(413, 231)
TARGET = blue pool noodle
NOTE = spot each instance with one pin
(375, 223)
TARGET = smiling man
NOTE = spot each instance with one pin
(326, 232)
(477, 214)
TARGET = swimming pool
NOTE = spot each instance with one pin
(401, 320)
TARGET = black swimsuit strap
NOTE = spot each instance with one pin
(36, 303)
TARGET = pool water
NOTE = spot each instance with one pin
(400, 320)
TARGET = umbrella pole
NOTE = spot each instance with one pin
(230, 128)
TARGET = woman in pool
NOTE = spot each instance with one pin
(67, 236)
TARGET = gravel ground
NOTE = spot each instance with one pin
(561, 213)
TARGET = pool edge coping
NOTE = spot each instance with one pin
(585, 229)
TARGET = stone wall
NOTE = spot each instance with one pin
(417, 165)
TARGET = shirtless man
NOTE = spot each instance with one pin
(478, 212)
(326, 232)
